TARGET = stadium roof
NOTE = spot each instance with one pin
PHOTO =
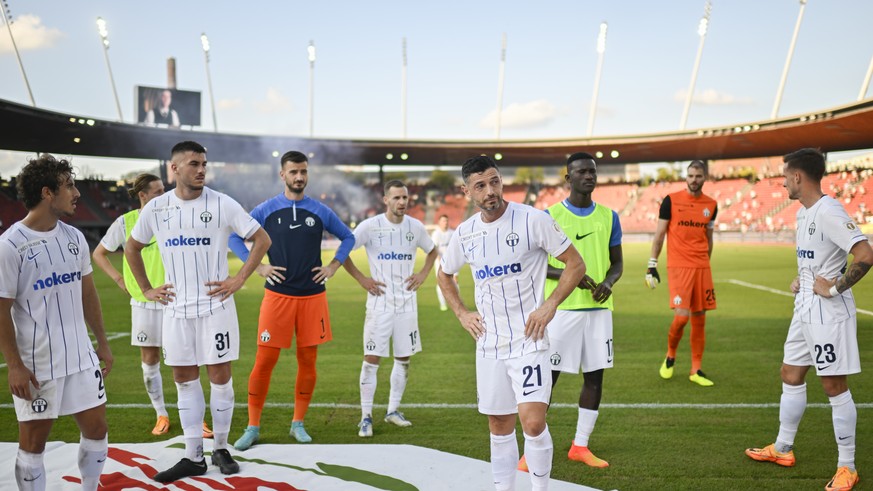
(849, 127)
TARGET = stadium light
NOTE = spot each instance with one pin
(204, 42)
(782, 80)
(702, 27)
(500, 77)
(310, 50)
(601, 49)
(104, 40)
(403, 107)
(7, 18)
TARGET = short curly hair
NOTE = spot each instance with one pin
(44, 171)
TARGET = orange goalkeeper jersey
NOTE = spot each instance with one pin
(689, 218)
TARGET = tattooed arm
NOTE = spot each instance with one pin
(862, 259)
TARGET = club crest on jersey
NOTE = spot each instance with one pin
(811, 229)
(555, 359)
(851, 226)
(265, 336)
(142, 337)
(706, 212)
(73, 248)
(677, 300)
(371, 345)
(512, 239)
(410, 236)
(39, 405)
(206, 217)
(310, 222)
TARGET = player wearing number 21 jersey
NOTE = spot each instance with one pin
(507, 247)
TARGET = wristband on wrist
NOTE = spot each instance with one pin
(833, 291)
(653, 262)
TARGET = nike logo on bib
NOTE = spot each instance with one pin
(580, 237)
(292, 227)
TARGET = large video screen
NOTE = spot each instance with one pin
(167, 107)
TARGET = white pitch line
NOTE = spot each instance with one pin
(653, 405)
(109, 337)
(779, 292)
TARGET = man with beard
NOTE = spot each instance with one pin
(295, 298)
(507, 246)
(687, 219)
(392, 240)
(191, 226)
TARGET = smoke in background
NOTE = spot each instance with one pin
(252, 183)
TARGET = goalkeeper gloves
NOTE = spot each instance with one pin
(652, 276)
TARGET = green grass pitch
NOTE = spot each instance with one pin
(646, 430)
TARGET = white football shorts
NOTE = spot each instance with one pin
(62, 396)
(203, 340)
(502, 385)
(401, 329)
(831, 348)
(581, 340)
(145, 326)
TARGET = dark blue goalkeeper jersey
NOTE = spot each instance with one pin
(296, 229)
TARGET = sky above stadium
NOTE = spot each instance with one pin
(260, 71)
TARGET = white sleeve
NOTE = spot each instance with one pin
(425, 242)
(841, 229)
(144, 229)
(362, 234)
(10, 263)
(453, 259)
(84, 256)
(114, 237)
(240, 221)
(548, 234)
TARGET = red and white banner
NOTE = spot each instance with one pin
(291, 467)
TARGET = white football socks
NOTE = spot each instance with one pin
(399, 375)
(538, 451)
(585, 426)
(92, 458)
(845, 416)
(192, 408)
(791, 408)
(504, 460)
(221, 408)
(368, 388)
(29, 471)
(154, 384)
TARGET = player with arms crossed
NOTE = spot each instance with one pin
(295, 298)
(507, 246)
(823, 330)
(391, 240)
(687, 219)
(47, 296)
(191, 225)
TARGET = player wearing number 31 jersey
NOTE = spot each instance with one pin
(507, 246)
(823, 329)
(191, 226)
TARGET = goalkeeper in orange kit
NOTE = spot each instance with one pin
(686, 219)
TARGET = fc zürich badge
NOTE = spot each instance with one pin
(206, 217)
(265, 336)
(811, 228)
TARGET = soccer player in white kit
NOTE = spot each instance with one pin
(47, 296)
(146, 317)
(191, 226)
(440, 238)
(391, 241)
(823, 328)
(507, 246)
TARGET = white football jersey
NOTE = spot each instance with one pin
(508, 259)
(114, 239)
(441, 239)
(192, 237)
(43, 272)
(825, 235)
(391, 250)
